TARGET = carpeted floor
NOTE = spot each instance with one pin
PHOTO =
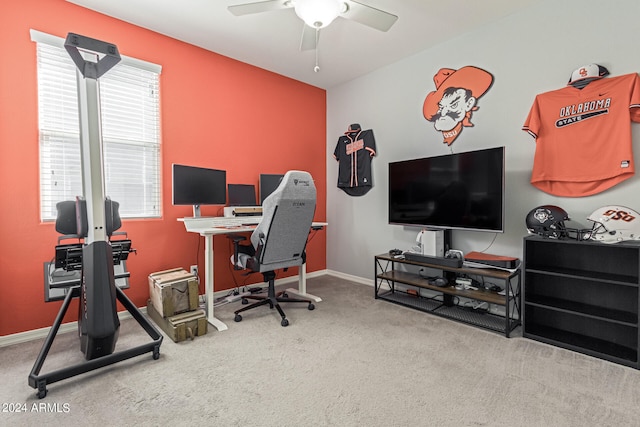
(353, 361)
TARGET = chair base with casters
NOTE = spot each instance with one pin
(272, 299)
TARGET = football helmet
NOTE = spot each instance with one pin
(613, 224)
(547, 221)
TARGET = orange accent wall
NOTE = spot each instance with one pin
(216, 112)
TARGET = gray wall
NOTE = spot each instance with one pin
(528, 53)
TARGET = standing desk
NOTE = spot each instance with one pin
(207, 229)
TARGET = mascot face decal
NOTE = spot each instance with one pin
(543, 215)
(453, 102)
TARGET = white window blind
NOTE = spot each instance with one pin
(130, 108)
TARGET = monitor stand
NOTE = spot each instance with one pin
(196, 211)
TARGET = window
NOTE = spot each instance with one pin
(130, 107)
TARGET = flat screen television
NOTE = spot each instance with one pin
(268, 183)
(242, 194)
(454, 191)
(198, 186)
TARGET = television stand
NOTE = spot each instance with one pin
(390, 272)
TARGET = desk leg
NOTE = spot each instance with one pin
(302, 285)
(208, 283)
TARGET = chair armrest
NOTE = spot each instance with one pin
(236, 239)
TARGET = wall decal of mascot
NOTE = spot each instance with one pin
(452, 104)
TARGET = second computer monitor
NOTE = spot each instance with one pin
(268, 184)
(242, 194)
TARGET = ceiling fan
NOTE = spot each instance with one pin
(317, 14)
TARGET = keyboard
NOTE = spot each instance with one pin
(235, 221)
(198, 224)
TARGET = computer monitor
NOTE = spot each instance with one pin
(242, 194)
(198, 186)
(268, 184)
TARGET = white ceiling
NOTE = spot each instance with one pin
(271, 40)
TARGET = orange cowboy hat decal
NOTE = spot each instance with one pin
(452, 104)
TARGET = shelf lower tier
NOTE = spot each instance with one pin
(586, 310)
(583, 344)
(475, 318)
(617, 342)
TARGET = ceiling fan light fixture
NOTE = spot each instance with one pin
(318, 13)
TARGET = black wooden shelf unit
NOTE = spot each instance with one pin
(583, 296)
(389, 272)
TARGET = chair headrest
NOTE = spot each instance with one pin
(298, 184)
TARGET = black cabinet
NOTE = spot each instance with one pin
(389, 272)
(583, 296)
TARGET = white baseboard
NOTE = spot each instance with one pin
(35, 334)
(357, 279)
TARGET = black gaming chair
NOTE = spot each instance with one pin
(279, 241)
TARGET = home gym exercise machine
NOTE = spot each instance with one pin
(98, 323)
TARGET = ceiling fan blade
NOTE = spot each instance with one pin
(258, 7)
(309, 40)
(369, 16)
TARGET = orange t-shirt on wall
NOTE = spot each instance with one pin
(583, 136)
